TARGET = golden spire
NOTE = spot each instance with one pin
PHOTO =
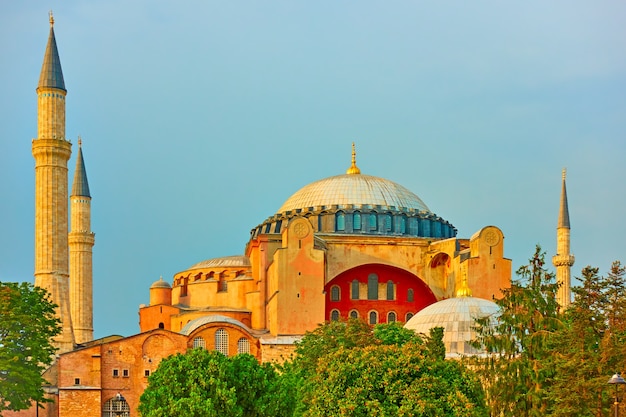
(51, 18)
(353, 168)
(564, 173)
(464, 290)
(80, 141)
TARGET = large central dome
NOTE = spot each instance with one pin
(358, 204)
(353, 189)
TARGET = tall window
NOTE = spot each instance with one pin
(222, 285)
(354, 314)
(373, 221)
(335, 293)
(387, 219)
(116, 406)
(391, 317)
(373, 317)
(199, 342)
(356, 221)
(243, 345)
(408, 316)
(340, 222)
(355, 289)
(221, 341)
(372, 287)
(390, 290)
(410, 296)
(334, 315)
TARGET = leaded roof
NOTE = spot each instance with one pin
(51, 74)
(356, 190)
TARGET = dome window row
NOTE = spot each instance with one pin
(364, 220)
(221, 343)
(392, 317)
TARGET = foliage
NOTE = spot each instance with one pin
(351, 369)
(391, 380)
(590, 347)
(208, 384)
(27, 326)
(515, 372)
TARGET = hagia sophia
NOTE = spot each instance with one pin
(351, 245)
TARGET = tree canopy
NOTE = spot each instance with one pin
(203, 383)
(27, 326)
(545, 361)
(351, 369)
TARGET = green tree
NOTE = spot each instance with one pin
(204, 383)
(349, 368)
(392, 380)
(589, 347)
(517, 372)
(27, 326)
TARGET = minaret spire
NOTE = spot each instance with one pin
(81, 240)
(563, 260)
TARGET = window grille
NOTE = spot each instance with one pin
(221, 341)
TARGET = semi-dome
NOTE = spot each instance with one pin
(457, 317)
(354, 190)
(224, 261)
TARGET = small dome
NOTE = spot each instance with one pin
(161, 283)
(224, 261)
(354, 189)
(456, 316)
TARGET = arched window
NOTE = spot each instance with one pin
(161, 325)
(116, 406)
(356, 221)
(221, 341)
(373, 317)
(410, 296)
(334, 315)
(199, 342)
(391, 292)
(391, 317)
(243, 345)
(373, 221)
(387, 220)
(222, 285)
(335, 293)
(354, 314)
(372, 287)
(408, 316)
(340, 221)
(402, 224)
(355, 289)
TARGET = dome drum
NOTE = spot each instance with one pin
(363, 220)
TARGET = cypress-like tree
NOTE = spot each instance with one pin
(515, 374)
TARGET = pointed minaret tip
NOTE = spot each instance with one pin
(81, 185)
(563, 210)
(353, 168)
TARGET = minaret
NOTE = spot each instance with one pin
(81, 241)
(563, 260)
(51, 152)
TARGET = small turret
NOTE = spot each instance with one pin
(160, 293)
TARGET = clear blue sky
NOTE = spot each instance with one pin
(199, 118)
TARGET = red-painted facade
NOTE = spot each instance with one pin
(382, 290)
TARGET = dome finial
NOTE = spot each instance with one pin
(464, 291)
(564, 173)
(353, 168)
(51, 18)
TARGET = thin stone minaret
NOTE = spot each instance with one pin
(563, 260)
(51, 152)
(81, 241)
